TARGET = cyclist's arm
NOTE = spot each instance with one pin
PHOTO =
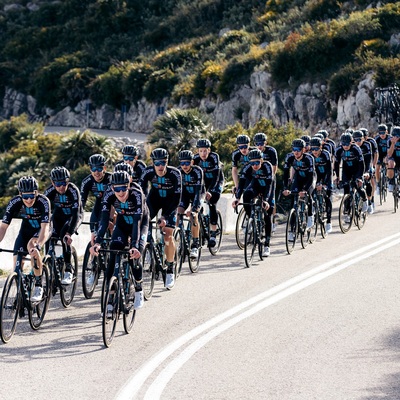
(104, 218)
(3, 229)
(85, 189)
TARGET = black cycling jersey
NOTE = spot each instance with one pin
(138, 169)
(374, 146)
(270, 154)
(192, 187)
(330, 146)
(366, 149)
(383, 145)
(323, 168)
(304, 172)
(352, 162)
(396, 153)
(239, 160)
(213, 176)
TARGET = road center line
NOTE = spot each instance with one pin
(263, 300)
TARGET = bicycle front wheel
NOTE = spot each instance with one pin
(111, 311)
(360, 216)
(291, 231)
(249, 242)
(37, 311)
(395, 198)
(149, 272)
(240, 231)
(10, 305)
(67, 292)
(129, 312)
(194, 263)
(218, 235)
(313, 232)
(90, 273)
(346, 213)
(179, 250)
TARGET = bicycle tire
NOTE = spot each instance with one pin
(194, 264)
(179, 248)
(360, 216)
(395, 198)
(37, 312)
(249, 242)
(90, 271)
(346, 208)
(109, 324)
(313, 232)
(241, 224)
(261, 232)
(67, 292)
(129, 312)
(303, 231)
(11, 302)
(218, 237)
(291, 227)
(321, 214)
(149, 272)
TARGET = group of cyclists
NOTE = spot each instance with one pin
(127, 199)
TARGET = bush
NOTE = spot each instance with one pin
(343, 81)
(160, 84)
(137, 75)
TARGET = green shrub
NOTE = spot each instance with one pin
(160, 84)
(387, 70)
(343, 81)
(137, 75)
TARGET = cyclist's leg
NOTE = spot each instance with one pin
(212, 203)
(391, 165)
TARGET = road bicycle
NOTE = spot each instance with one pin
(350, 209)
(320, 204)
(16, 296)
(56, 264)
(383, 184)
(396, 190)
(205, 227)
(185, 226)
(119, 297)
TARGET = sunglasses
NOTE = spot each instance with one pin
(314, 148)
(346, 144)
(28, 196)
(382, 132)
(297, 149)
(96, 169)
(357, 140)
(185, 163)
(243, 146)
(260, 143)
(119, 189)
(252, 163)
(60, 183)
(129, 158)
(160, 163)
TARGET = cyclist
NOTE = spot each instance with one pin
(96, 183)
(366, 148)
(164, 195)
(382, 140)
(131, 156)
(131, 226)
(327, 144)
(67, 214)
(352, 161)
(307, 139)
(304, 176)
(393, 156)
(34, 210)
(192, 193)
(209, 162)
(323, 169)
(261, 176)
(240, 157)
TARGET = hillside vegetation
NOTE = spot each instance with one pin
(116, 51)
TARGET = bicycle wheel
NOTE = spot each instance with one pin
(303, 231)
(291, 231)
(149, 272)
(322, 215)
(240, 231)
(194, 263)
(250, 242)
(179, 248)
(90, 273)
(218, 237)
(129, 312)
(67, 292)
(111, 311)
(37, 311)
(346, 213)
(385, 188)
(395, 197)
(10, 305)
(312, 233)
(359, 215)
(261, 232)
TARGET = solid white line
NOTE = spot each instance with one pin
(133, 385)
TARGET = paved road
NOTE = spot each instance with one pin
(322, 323)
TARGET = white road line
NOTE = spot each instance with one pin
(263, 300)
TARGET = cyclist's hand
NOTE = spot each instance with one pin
(161, 222)
(110, 226)
(67, 239)
(235, 203)
(359, 182)
(366, 176)
(92, 238)
(265, 205)
(234, 189)
(208, 196)
(94, 250)
(286, 192)
(134, 253)
(319, 186)
(34, 252)
(302, 193)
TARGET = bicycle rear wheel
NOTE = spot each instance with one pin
(218, 236)
(10, 305)
(240, 231)
(303, 231)
(194, 263)
(313, 232)
(249, 242)
(179, 250)
(395, 197)
(149, 272)
(291, 231)
(37, 311)
(67, 292)
(346, 213)
(90, 273)
(129, 312)
(111, 311)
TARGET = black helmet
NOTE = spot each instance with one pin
(130, 150)
(382, 127)
(185, 155)
(358, 134)
(395, 131)
(324, 133)
(203, 143)
(364, 131)
(319, 135)
(299, 143)
(159, 154)
(349, 130)
(59, 174)
(27, 184)
(97, 160)
(346, 138)
(242, 139)
(306, 139)
(255, 154)
(260, 137)
(315, 142)
(124, 167)
(120, 178)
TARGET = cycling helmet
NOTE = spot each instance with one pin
(27, 184)
(97, 160)
(124, 167)
(185, 155)
(315, 142)
(59, 174)
(203, 143)
(358, 134)
(395, 131)
(260, 137)
(299, 143)
(324, 133)
(242, 139)
(346, 138)
(382, 127)
(255, 154)
(306, 139)
(159, 154)
(130, 150)
(364, 131)
(120, 178)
